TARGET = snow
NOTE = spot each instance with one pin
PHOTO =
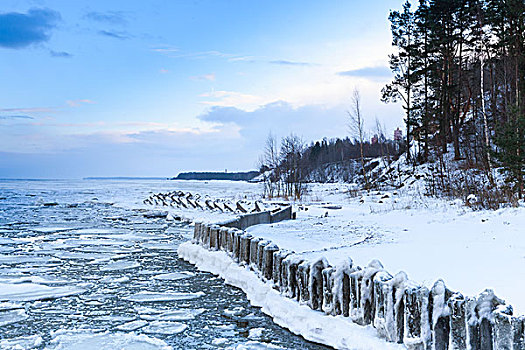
(338, 332)
(21, 343)
(87, 340)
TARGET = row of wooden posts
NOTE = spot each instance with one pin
(401, 310)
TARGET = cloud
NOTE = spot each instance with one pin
(114, 34)
(19, 30)
(10, 117)
(368, 72)
(60, 54)
(232, 99)
(111, 17)
(292, 63)
(208, 77)
(164, 71)
(29, 110)
(77, 103)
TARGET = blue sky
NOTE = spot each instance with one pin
(152, 88)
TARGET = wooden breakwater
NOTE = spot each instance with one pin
(400, 309)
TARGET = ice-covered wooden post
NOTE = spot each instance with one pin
(381, 290)
(237, 244)
(229, 240)
(352, 305)
(458, 321)
(439, 295)
(245, 248)
(303, 273)
(367, 302)
(480, 314)
(292, 262)
(316, 283)
(328, 286)
(260, 254)
(214, 237)
(224, 238)
(196, 232)
(341, 287)
(206, 234)
(394, 309)
(253, 251)
(417, 326)
(503, 335)
(518, 332)
(278, 258)
(268, 252)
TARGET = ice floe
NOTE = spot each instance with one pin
(88, 340)
(165, 327)
(32, 291)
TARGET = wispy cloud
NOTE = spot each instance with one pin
(291, 63)
(115, 34)
(175, 52)
(62, 54)
(208, 77)
(232, 99)
(368, 72)
(164, 71)
(29, 110)
(19, 30)
(77, 103)
(166, 49)
(110, 17)
(11, 117)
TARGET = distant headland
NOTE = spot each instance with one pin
(234, 176)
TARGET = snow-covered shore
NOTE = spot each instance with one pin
(428, 238)
(336, 331)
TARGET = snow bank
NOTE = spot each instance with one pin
(335, 331)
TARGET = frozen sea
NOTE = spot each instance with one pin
(82, 267)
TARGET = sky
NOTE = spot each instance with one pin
(153, 88)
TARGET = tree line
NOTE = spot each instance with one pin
(459, 72)
(287, 164)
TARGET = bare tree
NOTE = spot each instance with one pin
(294, 166)
(270, 163)
(357, 125)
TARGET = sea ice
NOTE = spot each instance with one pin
(131, 326)
(165, 327)
(173, 276)
(12, 316)
(27, 342)
(31, 291)
(120, 265)
(88, 340)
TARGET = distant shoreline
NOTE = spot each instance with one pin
(204, 176)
